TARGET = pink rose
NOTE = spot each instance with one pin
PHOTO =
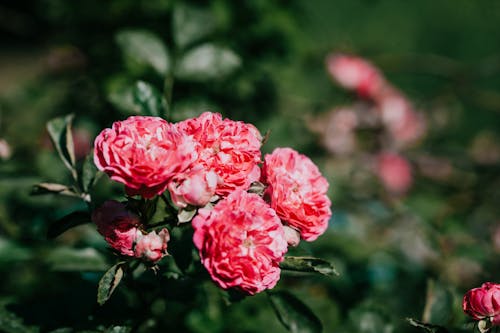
(195, 188)
(152, 246)
(483, 303)
(230, 148)
(241, 242)
(403, 123)
(395, 172)
(118, 226)
(297, 191)
(144, 153)
(355, 73)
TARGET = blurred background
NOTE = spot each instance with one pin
(397, 102)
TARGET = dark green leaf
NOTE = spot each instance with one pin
(109, 282)
(118, 329)
(52, 188)
(438, 304)
(308, 264)
(67, 222)
(148, 99)
(70, 259)
(207, 62)
(427, 327)
(142, 49)
(293, 314)
(10, 323)
(191, 24)
(12, 252)
(60, 133)
(89, 172)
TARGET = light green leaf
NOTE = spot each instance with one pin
(140, 98)
(148, 99)
(191, 24)
(186, 215)
(142, 49)
(70, 259)
(53, 188)
(207, 62)
(293, 314)
(109, 281)
(308, 264)
(60, 133)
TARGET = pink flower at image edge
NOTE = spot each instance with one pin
(241, 242)
(483, 303)
(297, 191)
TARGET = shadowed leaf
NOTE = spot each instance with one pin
(67, 222)
(293, 314)
(308, 264)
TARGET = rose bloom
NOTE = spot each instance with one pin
(395, 172)
(152, 246)
(194, 188)
(230, 148)
(144, 153)
(483, 303)
(118, 226)
(355, 73)
(403, 123)
(241, 242)
(297, 191)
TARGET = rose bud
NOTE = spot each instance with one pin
(152, 246)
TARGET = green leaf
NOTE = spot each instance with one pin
(427, 327)
(186, 214)
(207, 62)
(67, 222)
(293, 314)
(89, 173)
(148, 99)
(109, 282)
(308, 264)
(70, 259)
(438, 305)
(11, 252)
(191, 24)
(60, 133)
(52, 188)
(142, 50)
(139, 98)
(118, 329)
(10, 323)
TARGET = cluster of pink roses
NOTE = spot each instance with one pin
(483, 304)
(243, 237)
(384, 110)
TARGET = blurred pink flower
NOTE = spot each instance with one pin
(297, 191)
(395, 172)
(241, 242)
(5, 150)
(144, 153)
(195, 187)
(118, 226)
(355, 73)
(339, 137)
(483, 303)
(152, 246)
(82, 140)
(403, 123)
(230, 148)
